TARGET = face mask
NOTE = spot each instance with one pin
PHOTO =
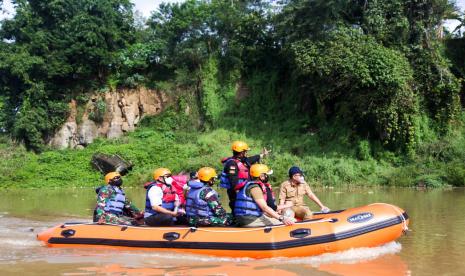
(117, 182)
(168, 180)
(301, 179)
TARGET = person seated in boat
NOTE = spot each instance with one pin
(162, 201)
(252, 203)
(236, 168)
(113, 206)
(193, 177)
(203, 207)
(292, 192)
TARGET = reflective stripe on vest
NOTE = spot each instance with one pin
(245, 205)
(196, 206)
(169, 196)
(115, 204)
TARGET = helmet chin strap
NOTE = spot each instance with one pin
(164, 180)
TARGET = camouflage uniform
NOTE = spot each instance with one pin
(220, 217)
(130, 211)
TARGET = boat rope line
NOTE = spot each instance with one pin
(203, 229)
(233, 245)
(400, 213)
(256, 229)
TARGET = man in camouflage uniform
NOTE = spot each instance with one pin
(203, 207)
(113, 207)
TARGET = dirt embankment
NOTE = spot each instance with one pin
(107, 115)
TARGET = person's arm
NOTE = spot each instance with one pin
(256, 158)
(185, 190)
(282, 193)
(257, 195)
(132, 209)
(162, 210)
(315, 199)
(156, 198)
(212, 200)
(253, 159)
(102, 199)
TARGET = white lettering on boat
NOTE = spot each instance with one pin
(358, 218)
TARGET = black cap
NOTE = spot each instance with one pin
(294, 170)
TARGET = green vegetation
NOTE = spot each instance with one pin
(170, 140)
(355, 92)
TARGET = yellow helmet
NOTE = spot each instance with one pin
(257, 169)
(109, 176)
(160, 172)
(239, 146)
(206, 174)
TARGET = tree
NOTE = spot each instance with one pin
(55, 50)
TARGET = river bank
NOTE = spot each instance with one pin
(329, 156)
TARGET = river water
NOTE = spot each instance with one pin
(434, 246)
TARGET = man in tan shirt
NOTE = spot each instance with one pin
(293, 191)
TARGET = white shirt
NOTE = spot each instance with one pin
(156, 196)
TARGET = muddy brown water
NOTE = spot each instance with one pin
(434, 246)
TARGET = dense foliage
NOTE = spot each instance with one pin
(51, 52)
(379, 77)
(169, 140)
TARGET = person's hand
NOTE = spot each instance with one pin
(181, 211)
(138, 222)
(174, 213)
(139, 215)
(325, 209)
(265, 152)
(288, 221)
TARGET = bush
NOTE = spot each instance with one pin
(363, 150)
(455, 173)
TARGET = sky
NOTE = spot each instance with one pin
(147, 6)
(144, 6)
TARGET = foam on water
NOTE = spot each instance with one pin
(350, 256)
(19, 242)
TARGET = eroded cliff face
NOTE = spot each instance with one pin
(107, 115)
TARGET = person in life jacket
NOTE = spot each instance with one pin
(193, 177)
(203, 207)
(161, 200)
(236, 169)
(252, 204)
(113, 206)
(293, 190)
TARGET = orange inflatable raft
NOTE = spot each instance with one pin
(366, 226)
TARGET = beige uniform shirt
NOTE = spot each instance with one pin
(293, 192)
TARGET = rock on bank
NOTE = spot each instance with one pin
(107, 115)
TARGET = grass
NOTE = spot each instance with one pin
(330, 156)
